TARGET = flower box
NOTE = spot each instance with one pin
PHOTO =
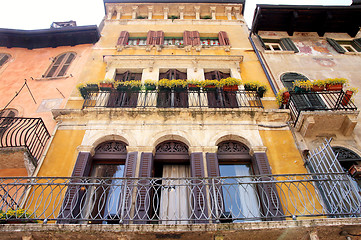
(355, 171)
(106, 86)
(261, 91)
(210, 88)
(248, 87)
(193, 87)
(164, 89)
(316, 88)
(333, 87)
(150, 87)
(231, 88)
(123, 88)
(346, 98)
(286, 97)
(179, 89)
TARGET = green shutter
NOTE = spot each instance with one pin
(335, 45)
(357, 44)
(261, 41)
(287, 44)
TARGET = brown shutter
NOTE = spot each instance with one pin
(180, 75)
(196, 39)
(69, 59)
(129, 172)
(164, 99)
(186, 38)
(199, 189)
(223, 38)
(271, 204)
(159, 38)
(213, 172)
(150, 37)
(70, 209)
(144, 196)
(230, 99)
(181, 99)
(123, 38)
(55, 65)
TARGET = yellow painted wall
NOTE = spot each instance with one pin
(62, 154)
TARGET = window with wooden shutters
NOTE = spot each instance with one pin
(4, 58)
(191, 38)
(123, 38)
(169, 98)
(125, 98)
(283, 44)
(220, 98)
(155, 38)
(289, 78)
(60, 65)
(342, 46)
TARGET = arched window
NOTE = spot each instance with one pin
(9, 112)
(288, 79)
(60, 65)
(4, 58)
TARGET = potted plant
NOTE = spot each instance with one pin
(318, 85)
(251, 86)
(283, 96)
(229, 84)
(174, 17)
(335, 84)
(261, 90)
(209, 85)
(85, 88)
(206, 17)
(16, 216)
(302, 85)
(348, 95)
(194, 85)
(176, 84)
(106, 85)
(141, 17)
(150, 85)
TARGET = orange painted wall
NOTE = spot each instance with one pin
(27, 64)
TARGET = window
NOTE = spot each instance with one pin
(209, 41)
(9, 112)
(137, 41)
(60, 65)
(289, 78)
(282, 44)
(345, 46)
(128, 76)
(176, 41)
(4, 58)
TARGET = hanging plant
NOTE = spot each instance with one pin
(282, 96)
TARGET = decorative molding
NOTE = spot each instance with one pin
(111, 147)
(172, 147)
(344, 154)
(232, 147)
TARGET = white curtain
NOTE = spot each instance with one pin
(249, 204)
(174, 202)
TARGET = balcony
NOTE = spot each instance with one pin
(180, 201)
(323, 112)
(30, 133)
(173, 99)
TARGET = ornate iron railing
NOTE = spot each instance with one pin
(173, 99)
(318, 101)
(180, 201)
(30, 133)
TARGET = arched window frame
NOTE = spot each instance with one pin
(60, 65)
(294, 76)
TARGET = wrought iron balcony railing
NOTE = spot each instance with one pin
(179, 200)
(318, 101)
(173, 99)
(30, 133)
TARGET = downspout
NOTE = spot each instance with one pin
(262, 64)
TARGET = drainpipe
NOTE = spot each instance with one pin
(262, 63)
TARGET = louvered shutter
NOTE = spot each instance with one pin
(335, 45)
(356, 44)
(145, 193)
(230, 99)
(217, 208)
(196, 40)
(159, 38)
(270, 200)
(223, 38)
(129, 172)
(69, 58)
(287, 44)
(180, 75)
(186, 38)
(3, 59)
(74, 195)
(55, 66)
(151, 38)
(261, 41)
(123, 38)
(181, 99)
(198, 191)
(316, 101)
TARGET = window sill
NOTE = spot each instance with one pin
(160, 47)
(52, 78)
(352, 53)
(278, 52)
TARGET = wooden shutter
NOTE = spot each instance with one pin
(159, 38)
(196, 40)
(287, 44)
(335, 45)
(223, 38)
(181, 99)
(129, 172)
(123, 38)
(199, 189)
(55, 65)
(164, 99)
(144, 196)
(151, 38)
(213, 172)
(180, 75)
(261, 41)
(356, 44)
(3, 59)
(69, 58)
(186, 38)
(230, 99)
(270, 201)
(70, 209)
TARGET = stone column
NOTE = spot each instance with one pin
(213, 13)
(197, 9)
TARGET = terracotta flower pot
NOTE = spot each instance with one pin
(346, 98)
(316, 88)
(210, 88)
(193, 87)
(334, 87)
(286, 97)
(106, 86)
(232, 88)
